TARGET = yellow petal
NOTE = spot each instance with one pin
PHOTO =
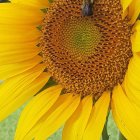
(134, 10)
(36, 108)
(14, 38)
(75, 126)
(97, 118)
(17, 55)
(19, 34)
(57, 115)
(11, 90)
(132, 80)
(135, 37)
(9, 47)
(133, 72)
(35, 3)
(10, 70)
(18, 14)
(24, 95)
(125, 4)
(125, 114)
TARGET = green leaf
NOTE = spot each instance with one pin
(105, 135)
(121, 137)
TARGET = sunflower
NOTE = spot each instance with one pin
(93, 61)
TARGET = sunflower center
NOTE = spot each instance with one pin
(86, 55)
(80, 37)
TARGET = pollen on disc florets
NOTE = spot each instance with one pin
(87, 55)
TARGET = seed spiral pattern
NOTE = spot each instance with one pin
(86, 55)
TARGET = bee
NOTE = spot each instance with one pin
(87, 8)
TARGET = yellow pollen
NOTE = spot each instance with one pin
(79, 39)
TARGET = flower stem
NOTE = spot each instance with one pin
(105, 135)
(121, 137)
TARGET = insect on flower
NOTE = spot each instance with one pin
(87, 9)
